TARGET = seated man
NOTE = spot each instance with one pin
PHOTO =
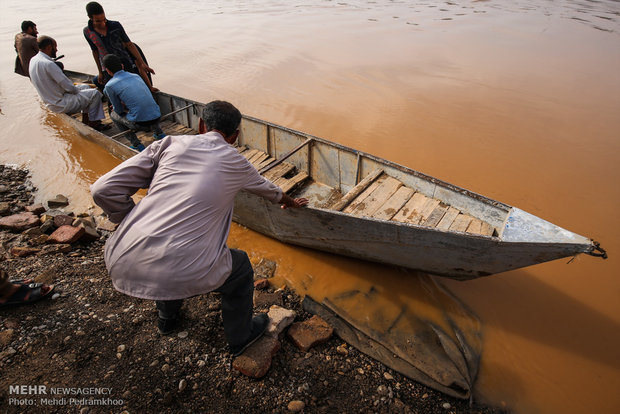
(127, 91)
(172, 244)
(58, 91)
(26, 47)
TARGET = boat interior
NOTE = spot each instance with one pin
(339, 178)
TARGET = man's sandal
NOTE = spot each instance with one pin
(27, 293)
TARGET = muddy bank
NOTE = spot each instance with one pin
(91, 339)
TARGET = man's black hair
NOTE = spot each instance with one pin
(27, 24)
(45, 41)
(112, 63)
(222, 116)
(93, 8)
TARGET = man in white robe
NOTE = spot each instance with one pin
(58, 91)
(172, 244)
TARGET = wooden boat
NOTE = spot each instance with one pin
(367, 207)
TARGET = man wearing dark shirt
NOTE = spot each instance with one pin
(25, 46)
(107, 36)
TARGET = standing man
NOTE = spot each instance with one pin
(26, 47)
(107, 36)
(172, 245)
(134, 106)
(57, 90)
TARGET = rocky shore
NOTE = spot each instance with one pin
(90, 349)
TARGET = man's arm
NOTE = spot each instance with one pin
(98, 63)
(60, 78)
(112, 192)
(143, 68)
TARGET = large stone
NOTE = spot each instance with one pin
(22, 251)
(264, 269)
(19, 222)
(66, 234)
(5, 208)
(279, 319)
(36, 209)
(63, 220)
(55, 249)
(47, 227)
(309, 333)
(261, 284)
(58, 201)
(264, 299)
(106, 225)
(87, 221)
(256, 360)
(90, 234)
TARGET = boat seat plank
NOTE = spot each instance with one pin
(364, 194)
(293, 182)
(241, 148)
(279, 171)
(265, 162)
(394, 203)
(436, 215)
(383, 192)
(357, 190)
(448, 219)
(414, 204)
(419, 216)
(461, 222)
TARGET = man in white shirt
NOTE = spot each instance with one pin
(172, 244)
(58, 91)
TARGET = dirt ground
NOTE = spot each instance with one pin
(100, 351)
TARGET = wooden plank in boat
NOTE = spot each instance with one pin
(415, 203)
(250, 153)
(279, 171)
(293, 182)
(255, 155)
(259, 160)
(394, 203)
(357, 190)
(461, 222)
(448, 218)
(475, 226)
(241, 149)
(486, 229)
(436, 215)
(365, 194)
(383, 192)
(421, 215)
(265, 163)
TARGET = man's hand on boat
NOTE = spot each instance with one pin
(287, 201)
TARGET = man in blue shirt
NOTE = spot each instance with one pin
(132, 101)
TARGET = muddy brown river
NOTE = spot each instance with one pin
(517, 100)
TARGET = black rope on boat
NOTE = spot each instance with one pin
(597, 248)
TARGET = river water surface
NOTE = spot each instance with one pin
(517, 100)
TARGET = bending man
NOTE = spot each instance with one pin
(58, 91)
(172, 245)
(134, 106)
